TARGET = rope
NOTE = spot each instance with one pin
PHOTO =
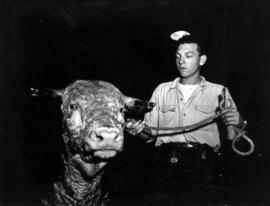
(242, 134)
(188, 128)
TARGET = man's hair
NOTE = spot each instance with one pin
(193, 39)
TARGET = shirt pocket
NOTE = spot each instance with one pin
(168, 108)
(167, 114)
(205, 109)
(203, 112)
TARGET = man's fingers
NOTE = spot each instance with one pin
(231, 121)
(230, 116)
(136, 124)
(128, 125)
(135, 127)
(132, 123)
(227, 115)
(140, 128)
(226, 110)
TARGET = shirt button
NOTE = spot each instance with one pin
(185, 114)
(181, 99)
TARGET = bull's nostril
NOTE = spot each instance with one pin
(96, 137)
(99, 137)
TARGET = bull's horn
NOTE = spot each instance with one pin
(45, 92)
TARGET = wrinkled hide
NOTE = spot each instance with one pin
(93, 122)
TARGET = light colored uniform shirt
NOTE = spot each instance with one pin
(172, 111)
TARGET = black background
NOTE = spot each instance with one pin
(49, 43)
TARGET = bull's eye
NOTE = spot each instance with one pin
(120, 116)
(73, 107)
(121, 110)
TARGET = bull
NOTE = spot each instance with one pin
(93, 124)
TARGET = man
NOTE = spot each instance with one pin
(189, 158)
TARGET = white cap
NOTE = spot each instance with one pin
(178, 35)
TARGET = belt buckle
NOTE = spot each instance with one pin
(174, 158)
(189, 145)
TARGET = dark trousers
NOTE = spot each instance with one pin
(191, 172)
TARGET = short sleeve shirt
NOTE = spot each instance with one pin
(172, 111)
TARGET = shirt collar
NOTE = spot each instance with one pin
(175, 82)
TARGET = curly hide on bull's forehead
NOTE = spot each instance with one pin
(95, 99)
(93, 92)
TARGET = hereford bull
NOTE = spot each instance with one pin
(93, 122)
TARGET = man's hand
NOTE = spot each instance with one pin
(135, 127)
(230, 116)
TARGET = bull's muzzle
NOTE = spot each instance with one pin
(107, 134)
(104, 139)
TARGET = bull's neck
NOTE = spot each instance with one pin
(78, 187)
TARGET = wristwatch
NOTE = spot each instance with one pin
(243, 124)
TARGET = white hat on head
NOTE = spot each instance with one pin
(178, 35)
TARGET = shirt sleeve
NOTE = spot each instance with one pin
(231, 130)
(229, 99)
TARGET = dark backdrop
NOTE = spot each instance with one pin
(51, 43)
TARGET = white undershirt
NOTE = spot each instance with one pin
(187, 90)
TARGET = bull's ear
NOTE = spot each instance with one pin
(136, 108)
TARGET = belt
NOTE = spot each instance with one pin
(185, 146)
(175, 150)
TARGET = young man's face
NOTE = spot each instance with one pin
(189, 60)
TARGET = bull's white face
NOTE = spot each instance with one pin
(98, 123)
(94, 122)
